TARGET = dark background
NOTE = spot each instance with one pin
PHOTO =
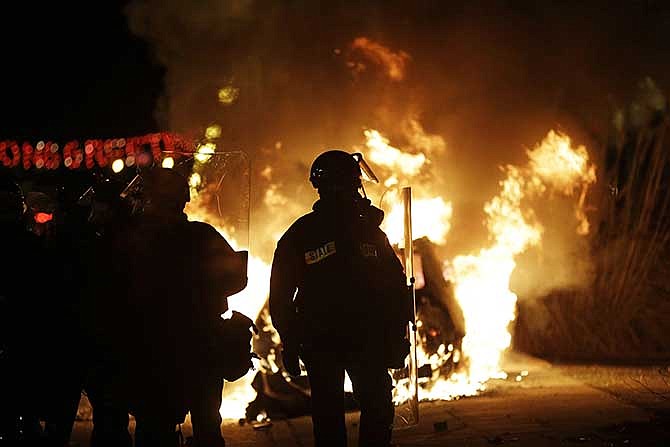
(73, 70)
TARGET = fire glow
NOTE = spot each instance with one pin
(481, 280)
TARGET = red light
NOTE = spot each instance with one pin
(43, 217)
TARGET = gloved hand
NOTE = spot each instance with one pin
(291, 359)
(235, 346)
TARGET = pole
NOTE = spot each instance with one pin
(412, 329)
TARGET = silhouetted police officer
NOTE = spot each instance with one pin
(351, 306)
(181, 275)
(104, 271)
(20, 322)
(80, 285)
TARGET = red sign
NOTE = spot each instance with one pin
(142, 150)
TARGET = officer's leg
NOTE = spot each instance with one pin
(61, 416)
(372, 389)
(61, 400)
(108, 392)
(26, 410)
(326, 380)
(110, 414)
(205, 417)
(19, 422)
(24, 401)
(156, 429)
(110, 427)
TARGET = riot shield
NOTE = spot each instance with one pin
(220, 184)
(406, 385)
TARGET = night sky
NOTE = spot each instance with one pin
(73, 70)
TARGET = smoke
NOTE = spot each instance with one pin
(487, 78)
(561, 261)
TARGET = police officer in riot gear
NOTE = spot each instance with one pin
(104, 287)
(21, 402)
(339, 301)
(181, 274)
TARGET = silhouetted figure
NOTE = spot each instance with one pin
(351, 307)
(104, 269)
(63, 342)
(181, 274)
(21, 319)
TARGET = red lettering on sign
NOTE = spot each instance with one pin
(143, 150)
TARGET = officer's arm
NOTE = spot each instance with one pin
(283, 284)
(228, 266)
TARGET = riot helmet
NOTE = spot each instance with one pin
(165, 187)
(335, 170)
(107, 205)
(108, 190)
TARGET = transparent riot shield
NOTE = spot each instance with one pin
(220, 189)
(406, 385)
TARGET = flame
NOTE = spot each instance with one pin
(481, 280)
(393, 63)
(430, 219)
(556, 163)
(383, 154)
(195, 180)
(432, 214)
(506, 222)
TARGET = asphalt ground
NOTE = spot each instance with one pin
(553, 405)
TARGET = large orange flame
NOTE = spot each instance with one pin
(481, 280)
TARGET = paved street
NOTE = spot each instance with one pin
(554, 405)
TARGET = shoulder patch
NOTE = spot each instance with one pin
(320, 253)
